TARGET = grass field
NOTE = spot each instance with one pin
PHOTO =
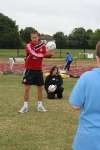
(52, 130)
(59, 53)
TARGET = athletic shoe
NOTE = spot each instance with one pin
(23, 109)
(41, 109)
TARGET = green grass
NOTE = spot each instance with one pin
(11, 53)
(59, 53)
(52, 130)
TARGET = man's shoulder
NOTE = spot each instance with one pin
(87, 75)
(29, 43)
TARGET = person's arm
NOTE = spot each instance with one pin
(47, 53)
(32, 52)
(76, 107)
(60, 82)
(66, 58)
(71, 57)
(77, 97)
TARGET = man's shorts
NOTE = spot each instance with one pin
(33, 77)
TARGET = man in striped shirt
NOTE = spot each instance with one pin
(35, 52)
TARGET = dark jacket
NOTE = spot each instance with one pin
(53, 79)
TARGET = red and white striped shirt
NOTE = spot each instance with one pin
(34, 55)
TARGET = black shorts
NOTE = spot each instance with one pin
(33, 77)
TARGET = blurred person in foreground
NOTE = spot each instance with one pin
(85, 97)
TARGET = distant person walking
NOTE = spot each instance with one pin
(86, 98)
(69, 60)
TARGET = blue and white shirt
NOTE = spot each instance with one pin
(69, 57)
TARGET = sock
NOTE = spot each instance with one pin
(25, 104)
(40, 103)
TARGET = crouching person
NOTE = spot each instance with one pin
(54, 84)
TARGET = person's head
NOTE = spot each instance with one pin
(35, 37)
(54, 70)
(98, 53)
(67, 53)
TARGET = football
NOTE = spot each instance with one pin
(51, 45)
(52, 88)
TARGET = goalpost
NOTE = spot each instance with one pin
(86, 55)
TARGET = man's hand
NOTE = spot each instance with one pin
(49, 55)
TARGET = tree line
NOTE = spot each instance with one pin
(12, 37)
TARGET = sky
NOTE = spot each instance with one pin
(51, 16)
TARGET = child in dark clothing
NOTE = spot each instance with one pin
(54, 78)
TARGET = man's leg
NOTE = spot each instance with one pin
(26, 99)
(40, 106)
(65, 66)
(40, 93)
(68, 66)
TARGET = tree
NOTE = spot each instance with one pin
(89, 35)
(78, 38)
(25, 33)
(95, 38)
(60, 40)
(9, 34)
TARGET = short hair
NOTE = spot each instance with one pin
(35, 32)
(98, 49)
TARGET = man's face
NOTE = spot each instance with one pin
(35, 38)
